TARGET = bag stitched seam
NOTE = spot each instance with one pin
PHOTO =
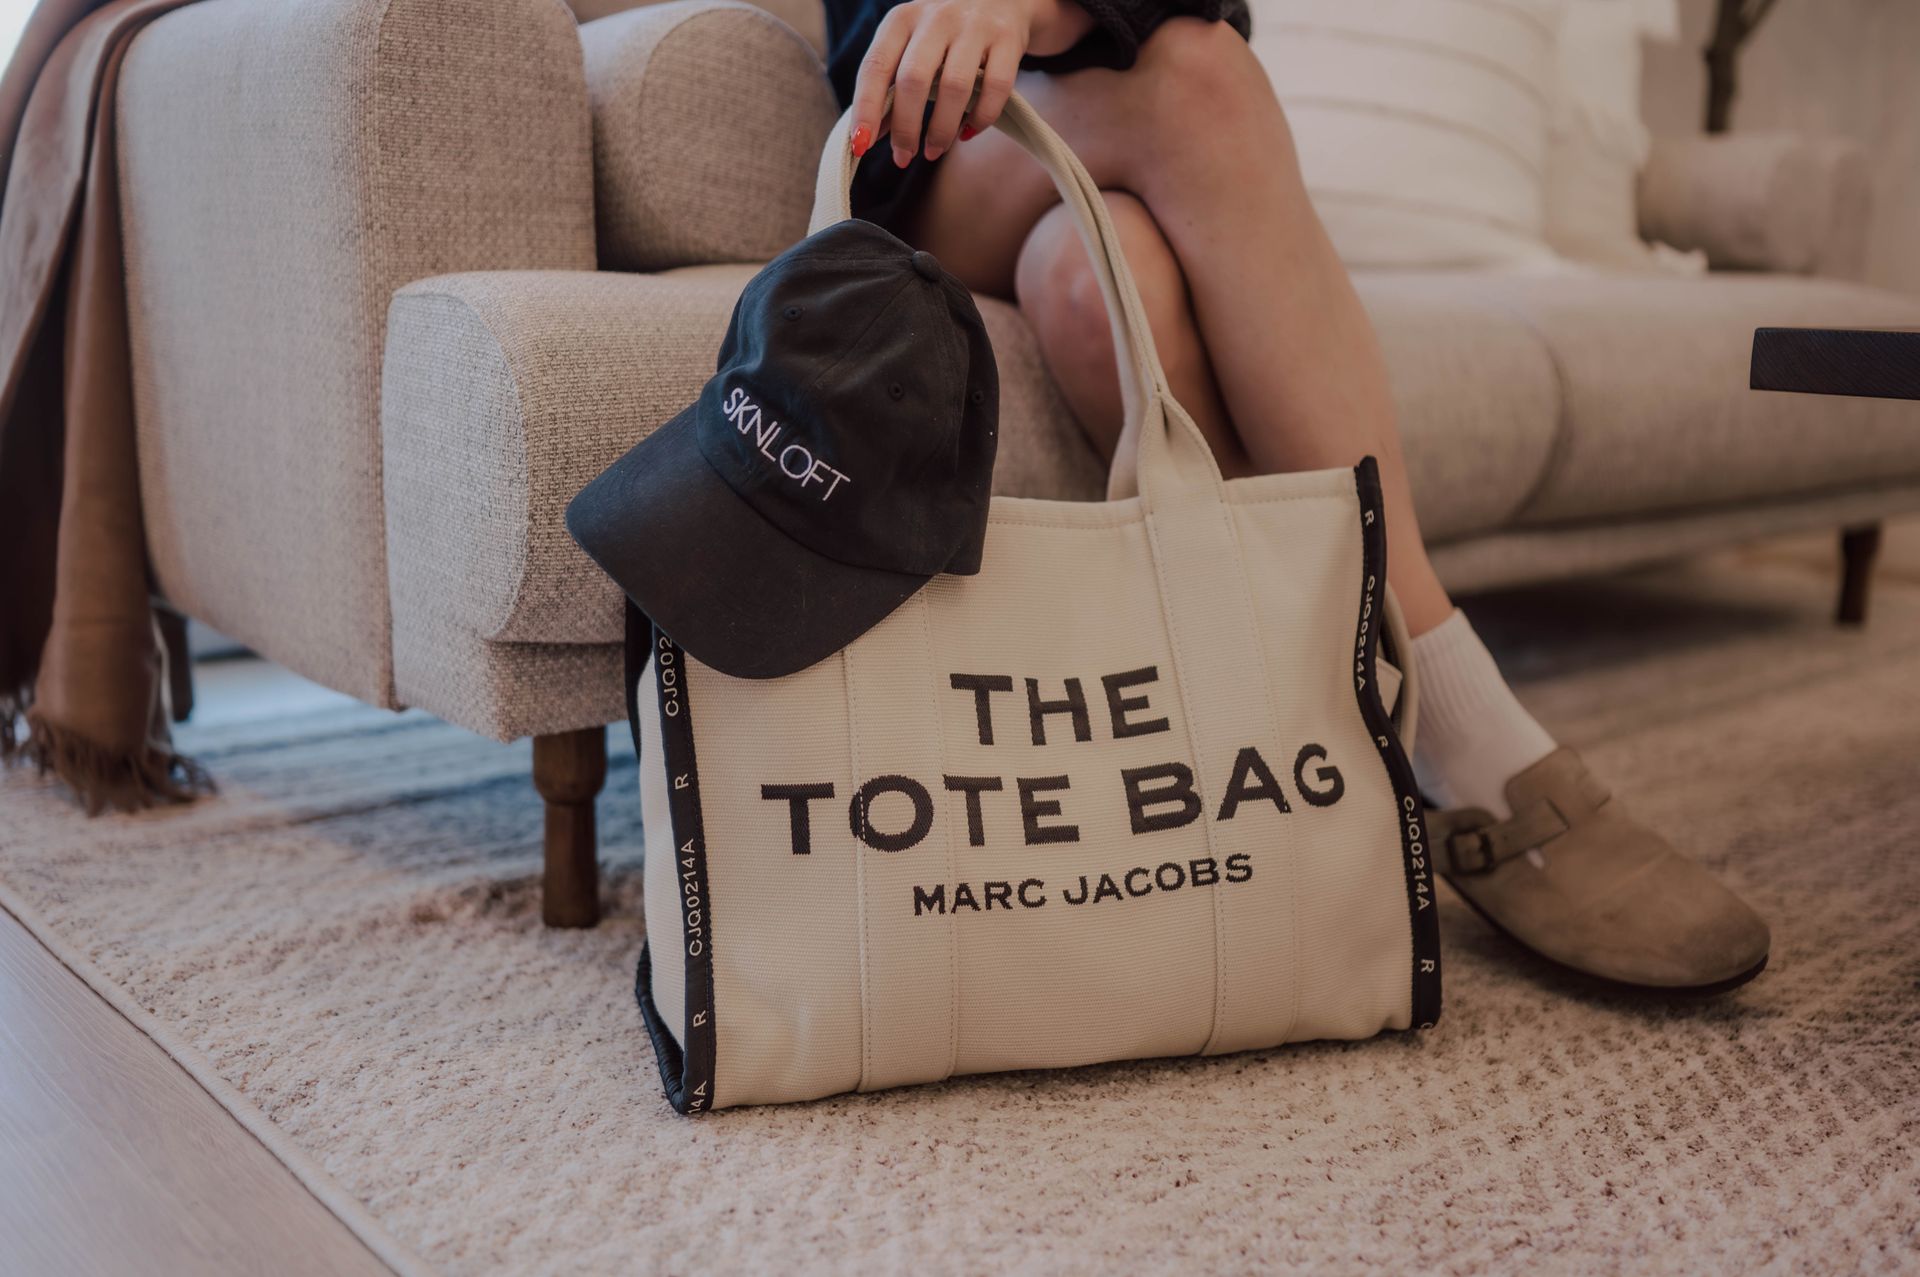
(859, 870)
(1186, 709)
(952, 927)
(1288, 834)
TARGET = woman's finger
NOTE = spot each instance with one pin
(912, 82)
(956, 90)
(996, 85)
(876, 73)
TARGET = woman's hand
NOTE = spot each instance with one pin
(952, 40)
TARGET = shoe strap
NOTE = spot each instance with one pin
(1482, 848)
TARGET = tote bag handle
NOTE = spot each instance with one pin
(1174, 461)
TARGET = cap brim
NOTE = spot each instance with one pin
(726, 585)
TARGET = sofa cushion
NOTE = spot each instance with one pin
(1657, 417)
(1597, 141)
(1421, 128)
(1787, 202)
(1477, 400)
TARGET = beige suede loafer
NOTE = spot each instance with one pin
(1574, 878)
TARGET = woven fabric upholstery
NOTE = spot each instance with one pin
(1761, 201)
(507, 392)
(1533, 556)
(1656, 417)
(1476, 396)
(707, 121)
(284, 167)
(505, 690)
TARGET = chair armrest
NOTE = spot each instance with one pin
(283, 169)
(1760, 201)
(708, 118)
(504, 393)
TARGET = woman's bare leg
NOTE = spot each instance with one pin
(1287, 361)
(1060, 296)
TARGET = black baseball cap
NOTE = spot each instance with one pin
(840, 457)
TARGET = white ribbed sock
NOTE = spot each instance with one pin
(1474, 735)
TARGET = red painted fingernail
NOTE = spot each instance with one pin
(862, 139)
(968, 132)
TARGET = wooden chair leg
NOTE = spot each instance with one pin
(1858, 549)
(568, 770)
(173, 637)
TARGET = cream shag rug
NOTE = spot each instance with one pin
(349, 936)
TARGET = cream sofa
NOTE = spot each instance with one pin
(405, 274)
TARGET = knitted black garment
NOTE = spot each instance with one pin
(882, 192)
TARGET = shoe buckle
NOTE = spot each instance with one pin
(1476, 846)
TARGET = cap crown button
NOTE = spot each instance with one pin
(927, 264)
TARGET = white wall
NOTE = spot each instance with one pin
(13, 16)
(1848, 67)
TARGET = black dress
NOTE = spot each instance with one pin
(880, 190)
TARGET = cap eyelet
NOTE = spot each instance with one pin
(896, 391)
(978, 396)
(791, 312)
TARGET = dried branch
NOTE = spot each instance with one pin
(1733, 24)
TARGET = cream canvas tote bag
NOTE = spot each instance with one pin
(1130, 791)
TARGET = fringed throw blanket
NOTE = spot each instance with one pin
(80, 663)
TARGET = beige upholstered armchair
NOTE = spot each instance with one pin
(378, 345)
(405, 274)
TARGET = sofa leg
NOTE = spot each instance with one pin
(173, 637)
(1858, 549)
(568, 770)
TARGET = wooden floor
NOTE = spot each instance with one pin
(113, 1160)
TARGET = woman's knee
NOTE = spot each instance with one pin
(1059, 293)
(1198, 78)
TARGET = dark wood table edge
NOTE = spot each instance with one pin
(1867, 363)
